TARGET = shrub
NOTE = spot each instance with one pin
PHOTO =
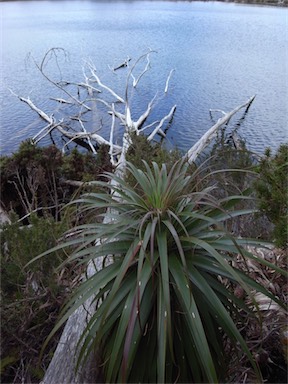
(272, 191)
(151, 152)
(31, 298)
(165, 307)
(33, 179)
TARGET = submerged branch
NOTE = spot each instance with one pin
(98, 81)
(159, 126)
(168, 79)
(198, 147)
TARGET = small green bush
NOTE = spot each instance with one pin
(142, 149)
(31, 298)
(272, 191)
(34, 177)
(167, 300)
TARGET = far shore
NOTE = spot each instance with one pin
(274, 3)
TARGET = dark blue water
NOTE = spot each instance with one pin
(222, 54)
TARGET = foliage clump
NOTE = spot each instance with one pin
(272, 191)
(34, 192)
(35, 178)
(31, 297)
(168, 299)
(173, 242)
(142, 149)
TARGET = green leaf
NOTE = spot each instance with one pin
(194, 322)
(219, 312)
(161, 334)
(161, 237)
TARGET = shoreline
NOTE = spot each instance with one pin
(273, 3)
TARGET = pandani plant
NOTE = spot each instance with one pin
(164, 308)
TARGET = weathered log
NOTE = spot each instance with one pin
(62, 367)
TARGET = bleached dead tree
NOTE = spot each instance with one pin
(86, 95)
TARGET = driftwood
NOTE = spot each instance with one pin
(62, 366)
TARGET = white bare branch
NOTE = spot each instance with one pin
(159, 126)
(168, 79)
(111, 138)
(117, 114)
(88, 137)
(56, 84)
(149, 125)
(138, 124)
(46, 129)
(217, 110)
(42, 114)
(87, 85)
(85, 135)
(136, 81)
(128, 120)
(145, 55)
(198, 147)
(98, 81)
(49, 129)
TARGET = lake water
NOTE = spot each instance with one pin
(222, 54)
